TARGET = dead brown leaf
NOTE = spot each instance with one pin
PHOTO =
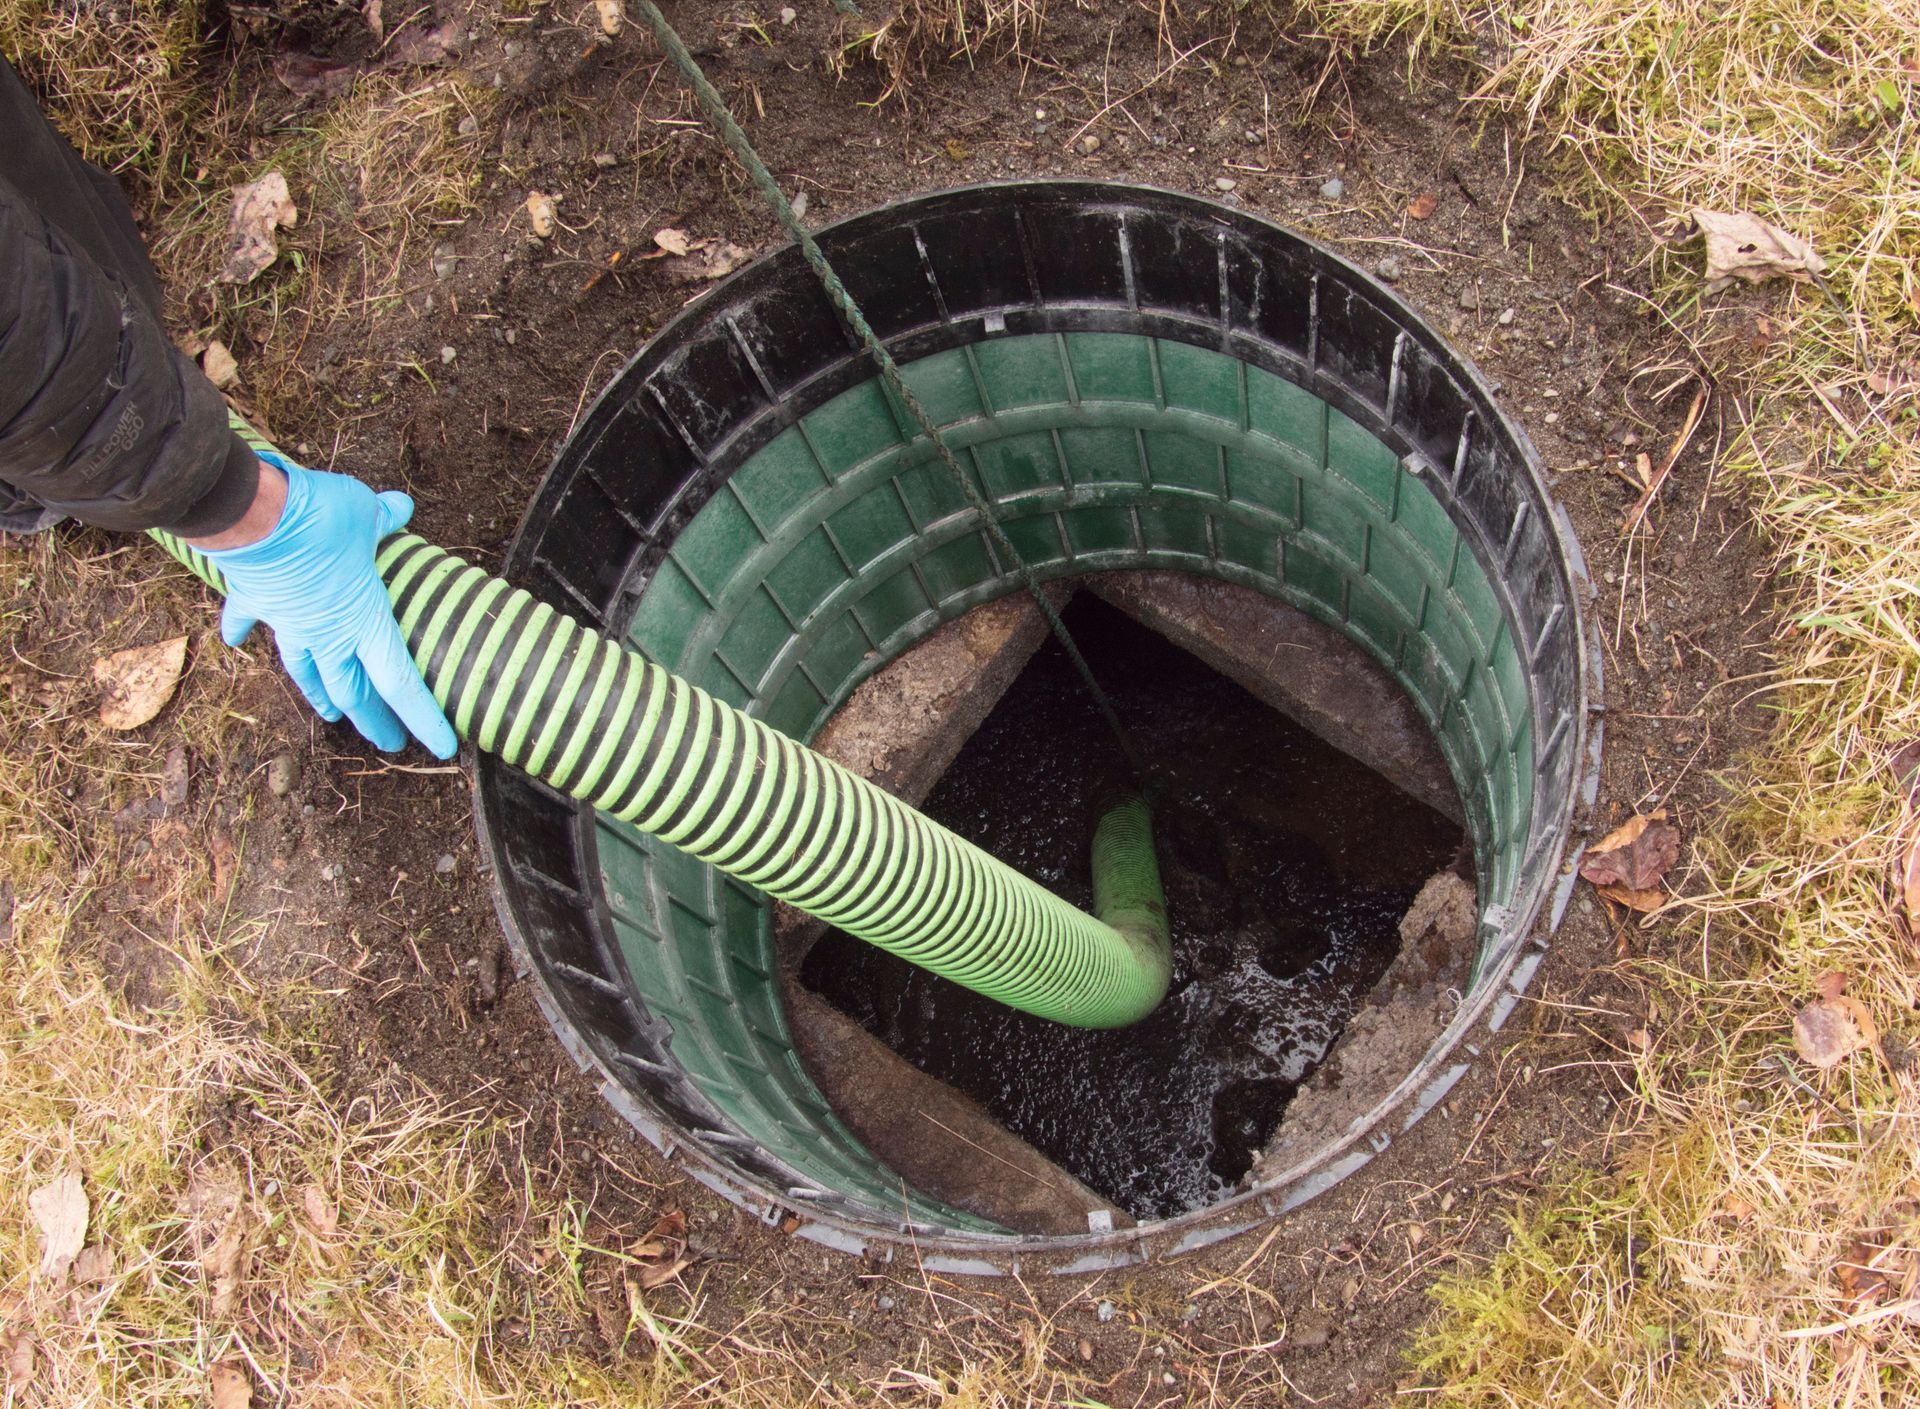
(221, 857)
(1742, 246)
(709, 259)
(17, 1359)
(662, 1254)
(229, 1386)
(218, 365)
(540, 214)
(220, 1224)
(1830, 984)
(424, 46)
(612, 14)
(1633, 857)
(374, 12)
(672, 240)
(1422, 206)
(60, 1211)
(1829, 1030)
(1644, 902)
(135, 684)
(259, 208)
(315, 76)
(1885, 381)
(1878, 1266)
(323, 1216)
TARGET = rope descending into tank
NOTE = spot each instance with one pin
(736, 141)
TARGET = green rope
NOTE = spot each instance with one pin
(715, 108)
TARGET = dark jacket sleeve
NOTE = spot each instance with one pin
(101, 417)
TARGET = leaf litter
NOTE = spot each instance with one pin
(135, 684)
(259, 208)
(1743, 246)
(1628, 864)
(1833, 1026)
(60, 1210)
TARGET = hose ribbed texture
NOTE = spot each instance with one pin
(594, 719)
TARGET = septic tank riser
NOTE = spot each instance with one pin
(1139, 380)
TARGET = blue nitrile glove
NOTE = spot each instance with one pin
(313, 581)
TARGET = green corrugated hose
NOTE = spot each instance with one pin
(592, 718)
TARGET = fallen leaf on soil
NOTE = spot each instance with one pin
(221, 855)
(1876, 1267)
(671, 240)
(540, 214)
(1905, 764)
(60, 1211)
(1643, 902)
(1829, 1030)
(1884, 381)
(1633, 857)
(710, 259)
(216, 1201)
(322, 1215)
(957, 150)
(613, 14)
(95, 1264)
(16, 1357)
(312, 76)
(1423, 205)
(229, 1387)
(423, 47)
(173, 776)
(1746, 247)
(1831, 984)
(1736, 1208)
(374, 12)
(259, 208)
(218, 365)
(662, 1254)
(135, 684)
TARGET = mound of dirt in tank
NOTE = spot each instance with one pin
(1402, 1016)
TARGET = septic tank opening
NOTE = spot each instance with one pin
(1138, 382)
(1288, 867)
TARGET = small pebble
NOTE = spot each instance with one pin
(788, 14)
(1089, 144)
(1390, 269)
(885, 1303)
(1158, 140)
(444, 866)
(283, 771)
(1039, 114)
(1086, 1348)
(469, 126)
(1506, 316)
(445, 261)
(1169, 1378)
(605, 160)
(1333, 190)
(1469, 297)
(447, 355)
(1251, 135)
(331, 871)
(1224, 183)
(1104, 1311)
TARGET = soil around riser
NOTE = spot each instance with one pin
(343, 870)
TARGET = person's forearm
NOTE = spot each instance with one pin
(269, 500)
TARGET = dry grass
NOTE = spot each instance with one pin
(1712, 1266)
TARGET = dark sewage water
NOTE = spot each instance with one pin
(1287, 867)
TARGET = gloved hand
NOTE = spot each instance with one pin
(313, 581)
